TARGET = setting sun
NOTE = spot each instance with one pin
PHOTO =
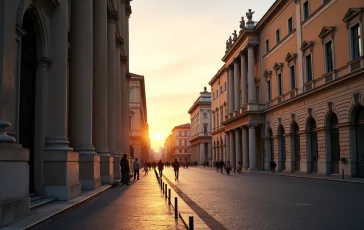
(157, 136)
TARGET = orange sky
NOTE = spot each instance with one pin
(178, 45)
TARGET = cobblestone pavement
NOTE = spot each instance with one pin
(138, 206)
(258, 201)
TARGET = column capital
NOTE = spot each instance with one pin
(242, 53)
(112, 16)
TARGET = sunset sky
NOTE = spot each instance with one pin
(178, 45)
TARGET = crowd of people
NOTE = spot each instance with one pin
(219, 165)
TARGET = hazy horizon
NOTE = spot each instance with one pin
(178, 49)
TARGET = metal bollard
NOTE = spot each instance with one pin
(191, 223)
(162, 187)
(175, 208)
(165, 192)
(342, 173)
(169, 197)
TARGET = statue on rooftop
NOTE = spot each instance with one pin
(242, 24)
(235, 36)
(227, 45)
(249, 15)
(230, 41)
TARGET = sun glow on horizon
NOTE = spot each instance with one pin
(157, 136)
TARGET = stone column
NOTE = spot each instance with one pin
(81, 93)
(100, 112)
(238, 145)
(243, 79)
(112, 17)
(252, 148)
(251, 78)
(209, 153)
(236, 86)
(58, 157)
(202, 153)
(232, 149)
(230, 90)
(245, 147)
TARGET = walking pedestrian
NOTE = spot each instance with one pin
(217, 165)
(221, 165)
(228, 167)
(160, 167)
(146, 169)
(273, 166)
(125, 170)
(176, 166)
(238, 167)
(136, 167)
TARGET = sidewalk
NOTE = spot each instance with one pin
(336, 178)
(141, 205)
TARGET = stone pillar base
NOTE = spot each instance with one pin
(61, 178)
(117, 173)
(90, 171)
(322, 167)
(107, 169)
(14, 181)
(304, 166)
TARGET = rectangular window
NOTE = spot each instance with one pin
(278, 36)
(308, 68)
(185, 133)
(180, 151)
(267, 45)
(180, 142)
(129, 96)
(306, 10)
(355, 41)
(220, 89)
(217, 93)
(185, 142)
(279, 83)
(225, 86)
(293, 77)
(222, 115)
(129, 123)
(328, 57)
(325, 1)
(290, 25)
(205, 128)
(180, 133)
(269, 90)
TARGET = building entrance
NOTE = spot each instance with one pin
(28, 68)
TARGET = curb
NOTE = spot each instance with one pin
(311, 178)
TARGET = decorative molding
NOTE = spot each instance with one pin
(326, 30)
(290, 57)
(20, 32)
(277, 66)
(306, 45)
(351, 13)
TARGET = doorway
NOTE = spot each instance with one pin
(281, 149)
(28, 71)
(335, 144)
(312, 136)
(296, 146)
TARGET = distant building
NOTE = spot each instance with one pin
(180, 143)
(200, 139)
(138, 123)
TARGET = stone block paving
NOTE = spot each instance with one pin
(258, 201)
(141, 205)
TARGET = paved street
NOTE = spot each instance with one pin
(138, 206)
(256, 201)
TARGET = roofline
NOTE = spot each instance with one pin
(219, 72)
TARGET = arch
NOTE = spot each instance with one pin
(270, 146)
(38, 18)
(311, 145)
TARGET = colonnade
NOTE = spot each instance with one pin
(241, 70)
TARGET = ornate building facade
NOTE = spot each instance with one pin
(63, 98)
(138, 126)
(200, 139)
(180, 142)
(295, 89)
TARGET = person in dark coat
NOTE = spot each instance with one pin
(221, 165)
(176, 166)
(125, 170)
(160, 167)
(273, 166)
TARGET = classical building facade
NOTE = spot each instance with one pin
(138, 122)
(169, 155)
(63, 98)
(200, 139)
(295, 89)
(180, 142)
